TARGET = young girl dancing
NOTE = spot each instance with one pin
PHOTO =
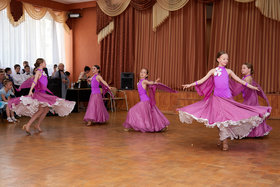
(96, 110)
(5, 96)
(251, 98)
(234, 120)
(36, 105)
(145, 116)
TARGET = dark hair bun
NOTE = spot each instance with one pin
(38, 62)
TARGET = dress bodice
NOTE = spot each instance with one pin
(94, 85)
(221, 81)
(42, 82)
(142, 92)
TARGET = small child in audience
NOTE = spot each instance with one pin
(8, 72)
(5, 95)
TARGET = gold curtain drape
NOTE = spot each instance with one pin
(172, 5)
(113, 7)
(159, 16)
(270, 9)
(39, 12)
(160, 9)
(35, 12)
(104, 24)
(4, 4)
(105, 31)
(58, 16)
(247, 36)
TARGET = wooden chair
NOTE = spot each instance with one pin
(119, 95)
(108, 99)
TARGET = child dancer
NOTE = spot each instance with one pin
(234, 120)
(36, 105)
(145, 116)
(5, 95)
(96, 110)
(251, 98)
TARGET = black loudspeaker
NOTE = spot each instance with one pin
(127, 81)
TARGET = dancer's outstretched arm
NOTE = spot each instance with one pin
(99, 78)
(235, 77)
(151, 82)
(210, 73)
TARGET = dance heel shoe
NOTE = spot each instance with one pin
(225, 146)
(27, 132)
(37, 129)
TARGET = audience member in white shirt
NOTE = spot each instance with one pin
(25, 63)
(17, 77)
(27, 73)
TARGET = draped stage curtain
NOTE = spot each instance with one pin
(117, 49)
(242, 31)
(175, 52)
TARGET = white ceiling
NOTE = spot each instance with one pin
(71, 1)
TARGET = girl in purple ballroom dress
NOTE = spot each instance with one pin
(36, 105)
(233, 119)
(96, 110)
(145, 116)
(251, 98)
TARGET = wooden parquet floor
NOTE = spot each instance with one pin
(68, 153)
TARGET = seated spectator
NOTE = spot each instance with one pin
(84, 75)
(2, 77)
(8, 72)
(5, 95)
(27, 73)
(25, 63)
(17, 76)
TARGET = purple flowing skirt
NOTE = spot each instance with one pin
(96, 110)
(251, 98)
(29, 105)
(262, 130)
(235, 118)
(145, 118)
